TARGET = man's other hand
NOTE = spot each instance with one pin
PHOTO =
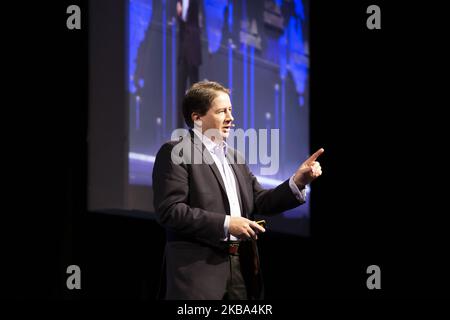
(244, 228)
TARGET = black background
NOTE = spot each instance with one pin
(377, 104)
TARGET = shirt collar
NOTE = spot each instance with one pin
(209, 144)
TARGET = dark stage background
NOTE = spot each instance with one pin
(375, 103)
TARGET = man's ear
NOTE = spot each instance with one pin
(195, 117)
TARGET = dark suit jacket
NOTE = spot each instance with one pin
(191, 203)
(190, 37)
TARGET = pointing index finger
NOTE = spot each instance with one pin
(315, 155)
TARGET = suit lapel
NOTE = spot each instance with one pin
(243, 197)
(207, 158)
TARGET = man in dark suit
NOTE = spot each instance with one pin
(205, 196)
(189, 48)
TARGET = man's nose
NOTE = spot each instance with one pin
(229, 116)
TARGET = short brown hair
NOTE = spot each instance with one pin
(199, 98)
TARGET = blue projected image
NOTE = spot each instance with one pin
(141, 13)
(214, 18)
(258, 49)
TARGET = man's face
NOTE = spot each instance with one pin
(218, 117)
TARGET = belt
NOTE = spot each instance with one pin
(233, 247)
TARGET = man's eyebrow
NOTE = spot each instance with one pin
(224, 108)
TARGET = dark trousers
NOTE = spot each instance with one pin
(185, 72)
(236, 289)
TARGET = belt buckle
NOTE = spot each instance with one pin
(233, 248)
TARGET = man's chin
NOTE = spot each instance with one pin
(224, 134)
